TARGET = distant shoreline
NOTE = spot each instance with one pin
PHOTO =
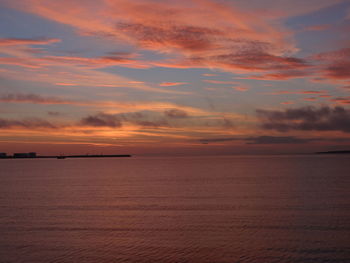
(334, 152)
(69, 156)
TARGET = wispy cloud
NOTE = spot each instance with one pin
(28, 123)
(170, 84)
(334, 64)
(341, 100)
(277, 140)
(33, 98)
(27, 41)
(176, 113)
(206, 33)
(102, 120)
(281, 92)
(316, 27)
(262, 140)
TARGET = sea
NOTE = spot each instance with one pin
(212, 209)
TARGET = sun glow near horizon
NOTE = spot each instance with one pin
(199, 76)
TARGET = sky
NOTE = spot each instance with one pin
(151, 77)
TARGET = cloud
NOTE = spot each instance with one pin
(21, 62)
(54, 113)
(201, 33)
(219, 81)
(334, 64)
(286, 74)
(209, 75)
(121, 59)
(33, 98)
(261, 140)
(169, 84)
(341, 100)
(28, 123)
(277, 140)
(310, 99)
(74, 75)
(287, 102)
(306, 119)
(241, 88)
(183, 37)
(166, 108)
(228, 35)
(297, 92)
(176, 113)
(317, 28)
(228, 139)
(27, 41)
(143, 119)
(102, 120)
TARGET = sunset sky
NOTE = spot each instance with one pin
(174, 77)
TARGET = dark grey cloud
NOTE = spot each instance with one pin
(227, 123)
(176, 113)
(277, 140)
(54, 113)
(144, 119)
(263, 140)
(228, 139)
(31, 98)
(152, 124)
(307, 119)
(29, 123)
(102, 120)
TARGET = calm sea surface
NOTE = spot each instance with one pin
(184, 210)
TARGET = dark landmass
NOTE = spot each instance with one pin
(334, 152)
(64, 156)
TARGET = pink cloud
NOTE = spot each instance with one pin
(231, 36)
(297, 92)
(310, 99)
(341, 100)
(287, 102)
(206, 34)
(24, 41)
(334, 64)
(33, 98)
(219, 81)
(21, 62)
(170, 84)
(241, 87)
(209, 75)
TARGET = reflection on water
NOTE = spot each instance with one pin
(208, 209)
